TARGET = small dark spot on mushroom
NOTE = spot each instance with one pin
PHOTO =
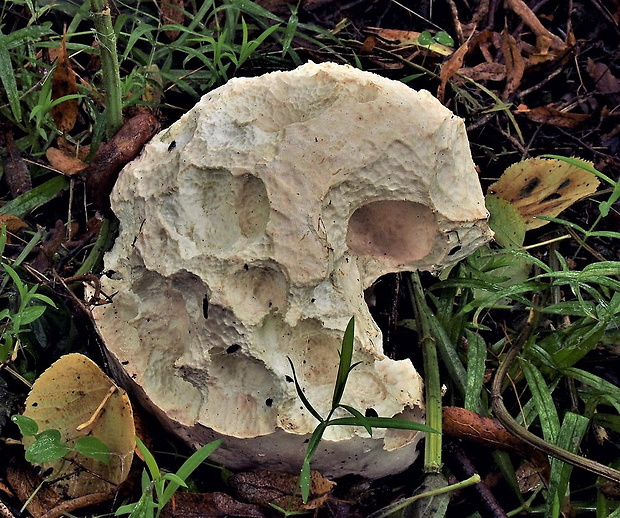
(529, 187)
(551, 197)
(454, 250)
(233, 348)
(205, 307)
(268, 401)
(125, 362)
(564, 184)
(288, 379)
(246, 267)
(313, 300)
(172, 145)
(35, 404)
(371, 412)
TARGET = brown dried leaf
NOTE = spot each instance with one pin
(604, 80)
(12, 222)
(450, 68)
(554, 117)
(489, 433)
(64, 83)
(25, 482)
(543, 187)
(63, 162)
(80, 151)
(520, 8)
(515, 65)
(16, 171)
(465, 424)
(154, 85)
(55, 237)
(172, 13)
(529, 477)
(484, 41)
(485, 72)
(215, 505)
(110, 158)
(369, 44)
(43, 501)
(273, 487)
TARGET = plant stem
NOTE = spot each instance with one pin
(432, 445)
(100, 11)
(105, 240)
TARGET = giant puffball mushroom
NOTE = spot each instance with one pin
(249, 231)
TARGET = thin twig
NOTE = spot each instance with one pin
(526, 436)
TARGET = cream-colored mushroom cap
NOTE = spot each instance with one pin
(248, 232)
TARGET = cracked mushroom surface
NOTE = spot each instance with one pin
(249, 230)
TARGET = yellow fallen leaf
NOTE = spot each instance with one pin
(543, 187)
(75, 397)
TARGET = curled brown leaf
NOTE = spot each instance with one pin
(111, 157)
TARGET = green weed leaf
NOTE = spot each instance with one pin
(444, 38)
(46, 448)
(94, 448)
(425, 39)
(506, 221)
(27, 426)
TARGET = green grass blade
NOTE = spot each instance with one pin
(149, 460)
(301, 394)
(592, 380)
(391, 509)
(188, 467)
(547, 413)
(476, 357)
(569, 437)
(32, 199)
(344, 367)
(8, 80)
(579, 343)
(356, 413)
(382, 422)
(305, 473)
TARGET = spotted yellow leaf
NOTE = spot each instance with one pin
(543, 187)
(75, 397)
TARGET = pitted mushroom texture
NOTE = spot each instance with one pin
(249, 231)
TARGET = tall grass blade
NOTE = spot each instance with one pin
(569, 437)
(188, 467)
(301, 394)
(476, 358)
(344, 367)
(548, 414)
